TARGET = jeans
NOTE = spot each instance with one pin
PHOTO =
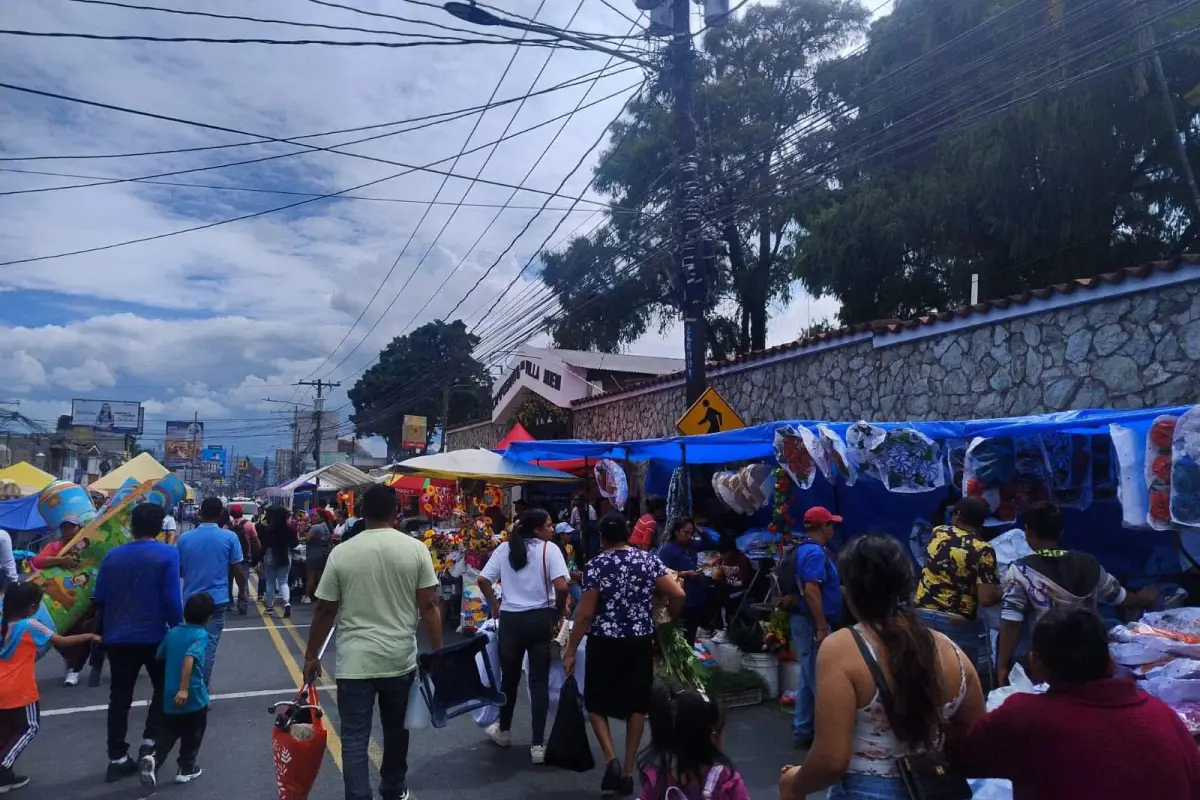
(214, 628)
(188, 730)
(576, 594)
(968, 634)
(125, 662)
(277, 579)
(804, 632)
(521, 632)
(356, 707)
(856, 786)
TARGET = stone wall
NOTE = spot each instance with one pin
(480, 434)
(1132, 351)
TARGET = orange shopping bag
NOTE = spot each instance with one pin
(298, 745)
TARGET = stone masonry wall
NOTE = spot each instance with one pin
(1138, 350)
(485, 434)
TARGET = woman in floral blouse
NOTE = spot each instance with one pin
(615, 614)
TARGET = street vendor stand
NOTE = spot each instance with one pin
(328, 480)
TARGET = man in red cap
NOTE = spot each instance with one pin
(807, 570)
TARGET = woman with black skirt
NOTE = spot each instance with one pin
(615, 615)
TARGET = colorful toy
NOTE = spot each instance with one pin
(62, 499)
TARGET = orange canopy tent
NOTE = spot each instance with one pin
(575, 466)
(415, 484)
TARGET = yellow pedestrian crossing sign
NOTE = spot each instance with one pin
(709, 414)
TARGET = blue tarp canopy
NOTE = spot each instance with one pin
(22, 514)
(758, 442)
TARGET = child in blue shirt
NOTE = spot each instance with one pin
(185, 697)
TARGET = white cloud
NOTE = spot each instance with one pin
(216, 321)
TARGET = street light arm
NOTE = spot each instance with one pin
(469, 12)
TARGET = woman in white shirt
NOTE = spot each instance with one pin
(533, 574)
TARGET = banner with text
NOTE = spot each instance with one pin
(183, 442)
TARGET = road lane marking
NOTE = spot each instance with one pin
(59, 712)
(254, 628)
(373, 751)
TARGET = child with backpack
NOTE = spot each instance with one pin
(685, 760)
(21, 638)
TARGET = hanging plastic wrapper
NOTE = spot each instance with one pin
(679, 501)
(1069, 460)
(1159, 444)
(611, 480)
(956, 456)
(833, 453)
(863, 442)
(903, 459)
(1129, 451)
(745, 490)
(1185, 470)
(794, 456)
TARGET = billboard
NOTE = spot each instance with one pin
(413, 433)
(213, 462)
(182, 443)
(118, 416)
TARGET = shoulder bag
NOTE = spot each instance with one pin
(926, 776)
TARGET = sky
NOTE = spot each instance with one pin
(221, 322)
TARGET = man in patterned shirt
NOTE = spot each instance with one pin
(959, 576)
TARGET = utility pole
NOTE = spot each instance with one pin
(445, 415)
(195, 453)
(319, 409)
(695, 326)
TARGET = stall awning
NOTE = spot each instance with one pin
(480, 464)
(29, 478)
(518, 433)
(142, 467)
(21, 515)
(758, 442)
(415, 484)
(331, 478)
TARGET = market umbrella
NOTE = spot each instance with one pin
(480, 464)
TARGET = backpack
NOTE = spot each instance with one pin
(785, 573)
(710, 787)
(249, 554)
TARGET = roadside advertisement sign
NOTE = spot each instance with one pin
(182, 443)
(214, 462)
(414, 432)
(118, 416)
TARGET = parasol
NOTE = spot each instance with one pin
(480, 464)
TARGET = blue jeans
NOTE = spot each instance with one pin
(214, 627)
(277, 579)
(968, 634)
(855, 786)
(576, 592)
(356, 707)
(804, 632)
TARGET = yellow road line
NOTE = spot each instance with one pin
(373, 750)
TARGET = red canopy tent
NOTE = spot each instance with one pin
(415, 484)
(576, 466)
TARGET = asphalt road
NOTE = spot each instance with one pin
(258, 664)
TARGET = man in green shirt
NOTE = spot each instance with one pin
(375, 586)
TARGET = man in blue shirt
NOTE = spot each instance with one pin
(820, 605)
(137, 600)
(209, 557)
(185, 699)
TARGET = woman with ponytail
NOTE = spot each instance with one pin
(531, 571)
(928, 680)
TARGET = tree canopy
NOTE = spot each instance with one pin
(1026, 141)
(399, 383)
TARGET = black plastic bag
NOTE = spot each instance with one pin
(569, 747)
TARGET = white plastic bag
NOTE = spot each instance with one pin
(416, 716)
(487, 715)
(1130, 447)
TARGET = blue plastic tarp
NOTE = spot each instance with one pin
(758, 442)
(21, 515)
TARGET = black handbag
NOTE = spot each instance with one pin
(926, 776)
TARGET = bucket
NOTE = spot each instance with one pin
(729, 658)
(767, 666)
(789, 676)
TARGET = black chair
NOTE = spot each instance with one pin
(450, 680)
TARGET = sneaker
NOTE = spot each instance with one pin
(306, 600)
(120, 769)
(72, 678)
(537, 754)
(9, 780)
(719, 637)
(611, 782)
(94, 677)
(188, 775)
(502, 738)
(147, 769)
(287, 610)
(243, 610)
(404, 794)
(270, 612)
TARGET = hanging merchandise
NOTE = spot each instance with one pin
(781, 520)
(903, 459)
(1104, 469)
(746, 490)
(1185, 470)
(611, 480)
(679, 501)
(956, 456)
(1129, 451)
(1069, 461)
(793, 454)
(834, 453)
(1008, 473)
(1158, 471)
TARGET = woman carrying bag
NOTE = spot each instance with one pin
(531, 571)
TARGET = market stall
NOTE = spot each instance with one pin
(328, 480)
(28, 478)
(141, 468)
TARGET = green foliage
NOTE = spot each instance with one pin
(399, 383)
(988, 156)
(750, 81)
